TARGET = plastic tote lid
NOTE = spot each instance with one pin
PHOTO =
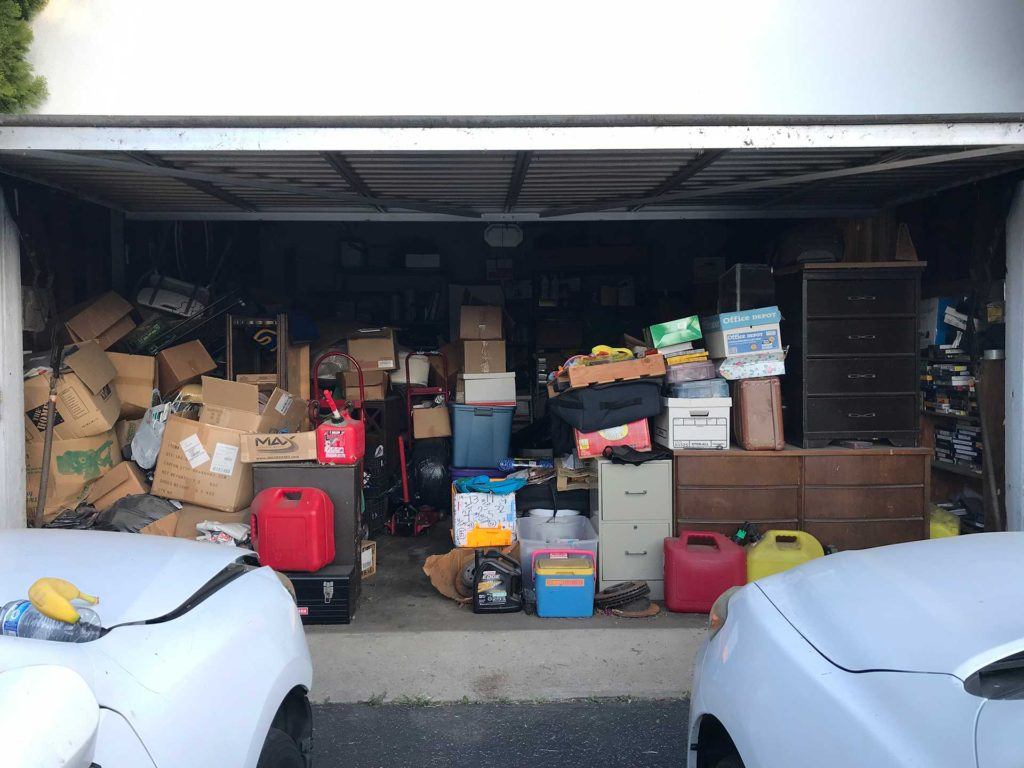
(564, 566)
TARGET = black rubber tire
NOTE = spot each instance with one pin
(280, 751)
(730, 761)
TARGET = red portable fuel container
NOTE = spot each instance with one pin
(699, 567)
(293, 528)
(341, 441)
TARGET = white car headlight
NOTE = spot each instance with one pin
(720, 610)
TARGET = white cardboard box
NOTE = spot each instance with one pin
(693, 423)
(486, 389)
(748, 332)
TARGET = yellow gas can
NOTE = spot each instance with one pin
(779, 551)
(943, 523)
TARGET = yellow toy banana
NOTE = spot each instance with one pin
(52, 597)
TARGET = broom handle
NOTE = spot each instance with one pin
(44, 475)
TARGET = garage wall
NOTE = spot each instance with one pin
(716, 57)
(12, 401)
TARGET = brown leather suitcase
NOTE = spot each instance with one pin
(757, 414)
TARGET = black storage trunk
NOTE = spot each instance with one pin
(328, 596)
(602, 406)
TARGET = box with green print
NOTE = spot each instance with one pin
(74, 464)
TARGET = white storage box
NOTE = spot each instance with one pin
(486, 389)
(692, 423)
(733, 334)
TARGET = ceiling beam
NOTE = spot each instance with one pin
(515, 182)
(132, 166)
(205, 187)
(67, 190)
(780, 181)
(702, 160)
(344, 168)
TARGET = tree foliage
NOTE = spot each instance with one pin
(20, 88)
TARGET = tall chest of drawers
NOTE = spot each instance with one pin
(852, 369)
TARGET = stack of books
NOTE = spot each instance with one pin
(948, 389)
(959, 444)
(683, 352)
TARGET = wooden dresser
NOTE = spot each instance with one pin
(847, 498)
(851, 372)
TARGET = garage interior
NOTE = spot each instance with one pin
(586, 244)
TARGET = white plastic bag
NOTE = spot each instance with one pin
(146, 442)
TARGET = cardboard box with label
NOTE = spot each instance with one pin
(73, 465)
(480, 323)
(483, 356)
(134, 383)
(373, 348)
(125, 479)
(181, 365)
(264, 447)
(375, 384)
(86, 405)
(106, 320)
(431, 422)
(235, 405)
(749, 332)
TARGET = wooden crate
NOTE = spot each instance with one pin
(606, 373)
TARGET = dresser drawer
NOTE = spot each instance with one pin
(737, 504)
(633, 550)
(737, 467)
(857, 375)
(867, 503)
(872, 469)
(860, 535)
(636, 493)
(861, 336)
(860, 297)
(862, 413)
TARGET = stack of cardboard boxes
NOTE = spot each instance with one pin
(484, 380)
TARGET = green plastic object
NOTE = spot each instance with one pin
(674, 332)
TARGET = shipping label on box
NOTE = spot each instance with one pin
(749, 332)
(591, 445)
(483, 519)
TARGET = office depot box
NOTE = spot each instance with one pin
(483, 356)
(693, 423)
(750, 332)
(486, 389)
(591, 445)
(106, 320)
(134, 383)
(480, 323)
(86, 404)
(181, 365)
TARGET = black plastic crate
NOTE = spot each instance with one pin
(376, 508)
(328, 596)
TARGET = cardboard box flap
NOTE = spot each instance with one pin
(98, 317)
(231, 394)
(283, 413)
(90, 364)
(134, 370)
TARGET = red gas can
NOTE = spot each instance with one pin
(341, 441)
(699, 567)
(293, 528)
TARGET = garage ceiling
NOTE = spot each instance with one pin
(511, 184)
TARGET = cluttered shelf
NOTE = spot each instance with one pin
(957, 469)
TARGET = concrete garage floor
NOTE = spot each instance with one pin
(407, 643)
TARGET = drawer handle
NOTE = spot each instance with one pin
(860, 376)
(636, 493)
(861, 415)
(638, 554)
(861, 298)
(860, 336)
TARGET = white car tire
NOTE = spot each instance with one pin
(280, 751)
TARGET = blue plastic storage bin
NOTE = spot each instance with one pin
(481, 434)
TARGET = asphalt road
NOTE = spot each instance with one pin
(577, 734)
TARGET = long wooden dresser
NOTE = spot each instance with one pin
(847, 498)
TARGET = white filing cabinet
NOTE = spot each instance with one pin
(632, 512)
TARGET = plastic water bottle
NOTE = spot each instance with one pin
(19, 618)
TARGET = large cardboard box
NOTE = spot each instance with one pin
(73, 465)
(125, 479)
(750, 332)
(86, 404)
(107, 320)
(483, 356)
(373, 348)
(260, 448)
(480, 323)
(235, 405)
(200, 464)
(375, 384)
(431, 422)
(134, 383)
(182, 365)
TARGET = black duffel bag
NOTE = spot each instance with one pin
(602, 406)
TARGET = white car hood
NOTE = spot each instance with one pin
(136, 577)
(948, 605)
